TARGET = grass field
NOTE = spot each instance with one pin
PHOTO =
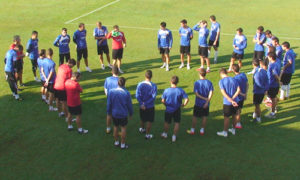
(35, 144)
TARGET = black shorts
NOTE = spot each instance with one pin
(61, 95)
(77, 110)
(241, 104)
(229, 110)
(120, 121)
(203, 51)
(237, 56)
(102, 49)
(147, 115)
(286, 78)
(19, 66)
(176, 115)
(50, 87)
(117, 53)
(185, 50)
(258, 98)
(272, 92)
(43, 83)
(82, 53)
(258, 55)
(34, 63)
(164, 50)
(200, 111)
(66, 56)
(211, 43)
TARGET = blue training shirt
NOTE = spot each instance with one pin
(119, 103)
(11, 57)
(230, 86)
(32, 48)
(101, 33)
(203, 34)
(203, 88)
(262, 38)
(279, 52)
(79, 38)
(165, 38)
(48, 67)
(239, 41)
(185, 36)
(173, 98)
(214, 29)
(242, 81)
(111, 83)
(40, 63)
(273, 70)
(260, 81)
(62, 42)
(146, 92)
(289, 56)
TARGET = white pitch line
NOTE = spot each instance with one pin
(156, 29)
(98, 9)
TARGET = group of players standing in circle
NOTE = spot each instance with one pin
(271, 70)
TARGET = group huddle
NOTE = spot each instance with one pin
(271, 72)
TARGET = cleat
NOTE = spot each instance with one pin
(83, 131)
(232, 131)
(222, 133)
(142, 130)
(190, 132)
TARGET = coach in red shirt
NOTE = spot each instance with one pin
(64, 73)
(118, 43)
(73, 91)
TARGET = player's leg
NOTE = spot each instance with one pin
(196, 114)
(61, 59)
(143, 120)
(258, 112)
(123, 137)
(203, 125)
(79, 56)
(86, 61)
(12, 84)
(232, 60)
(182, 60)
(108, 123)
(207, 64)
(116, 132)
(100, 54)
(119, 62)
(167, 57)
(240, 63)
(216, 53)
(202, 61)
(21, 73)
(106, 51)
(177, 118)
(188, 61)
(168, 119)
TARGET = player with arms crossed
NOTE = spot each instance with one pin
(118, 44)
(165, 41)
(62, 42)
(239, 45)
(230, 90)
(79, 38)
(214, 39)
(99, 34)
(32, 51)
(146, 92)
(203, 47)
(203, 90)
(186, 35)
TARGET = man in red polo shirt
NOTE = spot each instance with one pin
(118, 43)
(73, 90)
(64, 73)
(19, 62)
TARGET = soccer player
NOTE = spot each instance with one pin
(186, 35)
(49, 74)
(172, 99)
(19, 62)
(165, 41)
(287, 70)
(203, 47)
(99, 34)
(273, 75)
(230, 90)
(40, 62)
(146, 92)
(119, 105)
(214, 39)
(203, 90)
(10, 60)
(32, 51)
(242, 80)
(111, 83)
(239, 45)
(64, 73)
(268, 42)
(278, 50)
(62, 42)
(79, 38)
(118, 43)
(73, 91)
(259, 39)
(260, 87)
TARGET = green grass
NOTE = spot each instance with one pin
(35, 144)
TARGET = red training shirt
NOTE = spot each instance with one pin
(118, 41)
(19, 53)
(64, 73)
(73, 90)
